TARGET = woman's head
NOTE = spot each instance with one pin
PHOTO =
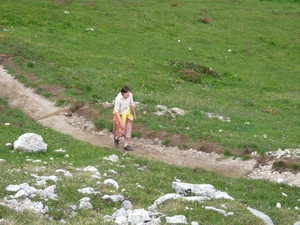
(125, 91)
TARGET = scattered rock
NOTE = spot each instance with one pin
(84, 203)
(261, 215)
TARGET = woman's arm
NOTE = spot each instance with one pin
(132, 108)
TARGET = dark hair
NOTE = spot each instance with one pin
(125, 89)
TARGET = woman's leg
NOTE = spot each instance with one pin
(117, 131)
(128, 131)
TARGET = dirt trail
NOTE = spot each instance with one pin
(59, 119)
(46, 113)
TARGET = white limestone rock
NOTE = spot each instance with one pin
(178, 219)
(30, 142)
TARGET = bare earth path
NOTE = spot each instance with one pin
(46, 113)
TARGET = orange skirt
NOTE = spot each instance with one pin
(118, 131)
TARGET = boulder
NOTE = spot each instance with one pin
(30, 142)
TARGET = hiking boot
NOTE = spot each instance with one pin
(116, 142)
(128, 148)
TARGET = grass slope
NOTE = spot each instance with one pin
(254, 45)
(92, 48)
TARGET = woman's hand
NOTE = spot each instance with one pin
(122, 125)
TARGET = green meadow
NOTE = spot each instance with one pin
(237, 60)
(92, 48)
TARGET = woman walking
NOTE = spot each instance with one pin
(124, 114)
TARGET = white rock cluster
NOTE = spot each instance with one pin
(266, 172)
(21, 200)
(126, 215)
(20, 195)
(162, 110)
